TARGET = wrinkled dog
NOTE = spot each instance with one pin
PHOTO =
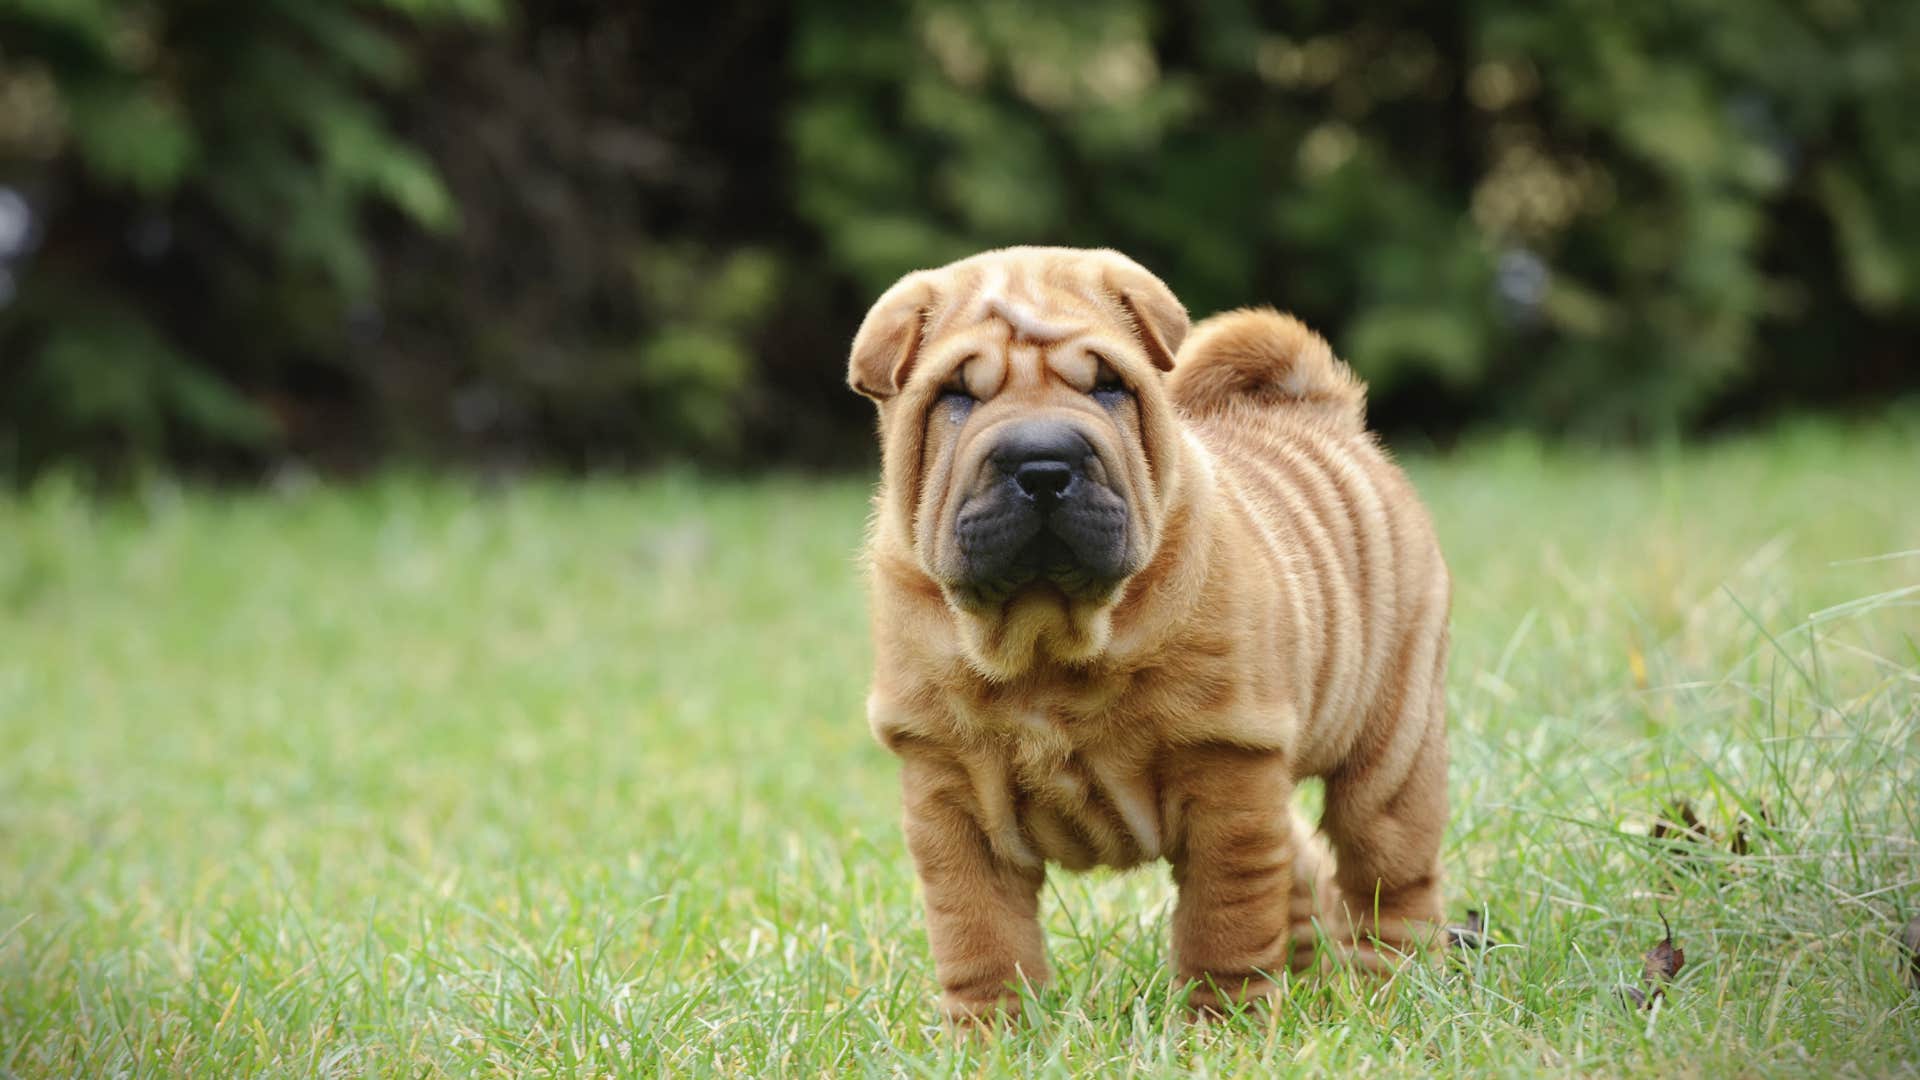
(1129, 585)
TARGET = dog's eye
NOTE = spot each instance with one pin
(955, 399)
(1108, 388)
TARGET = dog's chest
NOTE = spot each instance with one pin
(1078, 805)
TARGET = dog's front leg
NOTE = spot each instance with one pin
(1234, 865)
(983, 910)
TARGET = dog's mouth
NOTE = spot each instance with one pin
(1010, 544)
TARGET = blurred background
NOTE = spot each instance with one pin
(239, 234)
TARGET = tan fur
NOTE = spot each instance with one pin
(1259, 355)
(1285, 617)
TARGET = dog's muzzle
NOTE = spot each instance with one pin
(1045, 514)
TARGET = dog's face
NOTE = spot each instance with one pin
(1028, 442)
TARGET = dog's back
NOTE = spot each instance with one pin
(1343, 531)
(1349, 557)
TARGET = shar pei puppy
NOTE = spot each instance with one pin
(1130, 584)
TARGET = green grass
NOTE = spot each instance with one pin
(417, 777)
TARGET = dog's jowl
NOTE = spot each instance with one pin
(1131, 583)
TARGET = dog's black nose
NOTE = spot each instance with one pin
(1043, 457)
(1042, 513)
(1043, 479)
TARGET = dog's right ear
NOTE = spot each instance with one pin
(889, 339)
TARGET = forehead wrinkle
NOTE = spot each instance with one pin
(985, 374)
(956, 345)
(1076, 366)
(1029, 324)
(1026, 362)
(976, 353)
(999, 299)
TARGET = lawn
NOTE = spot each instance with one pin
(421, 775)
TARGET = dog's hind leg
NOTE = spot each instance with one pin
(1314, 901)
(1386, 811)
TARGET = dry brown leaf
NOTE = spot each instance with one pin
(1657, 968)
(1469, 935)
(1661, 964)
(1740, 844)
(1681, 823)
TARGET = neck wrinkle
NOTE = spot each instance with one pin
(1176, 575)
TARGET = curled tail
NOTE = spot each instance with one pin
(1259, 356)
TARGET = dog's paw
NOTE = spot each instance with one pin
(978, 1016)
(1211, 996)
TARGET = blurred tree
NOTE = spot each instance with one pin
(200, 177)
(1600, 219)
(628, 284)
(606, 232)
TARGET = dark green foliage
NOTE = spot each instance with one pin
(610, 232)
(1593, 218)
(202, 174)
(629, 280)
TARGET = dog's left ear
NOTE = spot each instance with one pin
(889, 338)
(1158, 317)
